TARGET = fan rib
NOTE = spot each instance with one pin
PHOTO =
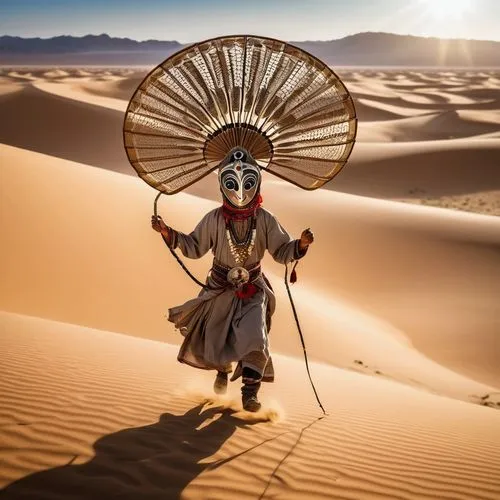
(317, 93)
(201, 106)
(311, 146)
(285, 101)
(185, 100)
(257, 84)
(177, 176)
(316, 127)
(222, 114)
(270, 99)
(178, 109)
(167, 121)
(166, 137)
(277, 156)
(312, 114)
(162, 158)
(166, 167)
(294, 169)
(186, 148)
(225, 76)
(190, 111)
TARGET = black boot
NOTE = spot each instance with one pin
(220, 383)
(249, 397)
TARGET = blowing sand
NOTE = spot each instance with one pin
(398, 303)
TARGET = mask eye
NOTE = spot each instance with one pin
(249, 180)
(249, 184)
(230, 184)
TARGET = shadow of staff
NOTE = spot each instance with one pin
(152, 462)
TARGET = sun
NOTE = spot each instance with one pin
(443, 9)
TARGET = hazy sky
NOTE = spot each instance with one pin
(194, 20)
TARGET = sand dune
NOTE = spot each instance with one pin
(86, 134)
(433, 126)
(21, 76)
(123, 88)
(7, 85)
(398, 304)
(413, 268)
(455, 99)
(390, 95)
(94, 414)
(434, 170)
(438, 168)
(77, 90)
(98, 238)
(56, 74)
(405, 108)
(367, 111)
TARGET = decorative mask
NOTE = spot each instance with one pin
(239, 177)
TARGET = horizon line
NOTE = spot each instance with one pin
(250, 34)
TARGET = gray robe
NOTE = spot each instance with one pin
(220, 328)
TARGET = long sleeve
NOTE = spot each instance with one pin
(197, 243)
(280, 245)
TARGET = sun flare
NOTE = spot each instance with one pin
(442, 9)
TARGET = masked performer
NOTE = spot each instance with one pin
(230, 319)
(238, 104)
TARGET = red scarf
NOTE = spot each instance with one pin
(232, 213)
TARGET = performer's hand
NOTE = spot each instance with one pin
(306, 238)
(158, 225)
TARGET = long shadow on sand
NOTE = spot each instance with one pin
(155, 461)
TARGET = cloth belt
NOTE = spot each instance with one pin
(219, 273)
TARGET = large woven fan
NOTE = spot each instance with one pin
(287, 108)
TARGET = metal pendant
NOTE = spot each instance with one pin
(238, 276)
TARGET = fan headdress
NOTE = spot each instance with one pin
(278, 104)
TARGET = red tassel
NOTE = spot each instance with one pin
(293, 274)
(247, 291)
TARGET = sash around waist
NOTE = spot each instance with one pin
(219, 272)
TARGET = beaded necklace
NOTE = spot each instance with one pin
(241, 249)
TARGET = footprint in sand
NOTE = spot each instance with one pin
(491, 400)
(360, 363)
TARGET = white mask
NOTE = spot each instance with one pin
(239, 178)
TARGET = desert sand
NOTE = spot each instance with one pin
(399, 304)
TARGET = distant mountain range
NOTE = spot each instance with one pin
(362, 49)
